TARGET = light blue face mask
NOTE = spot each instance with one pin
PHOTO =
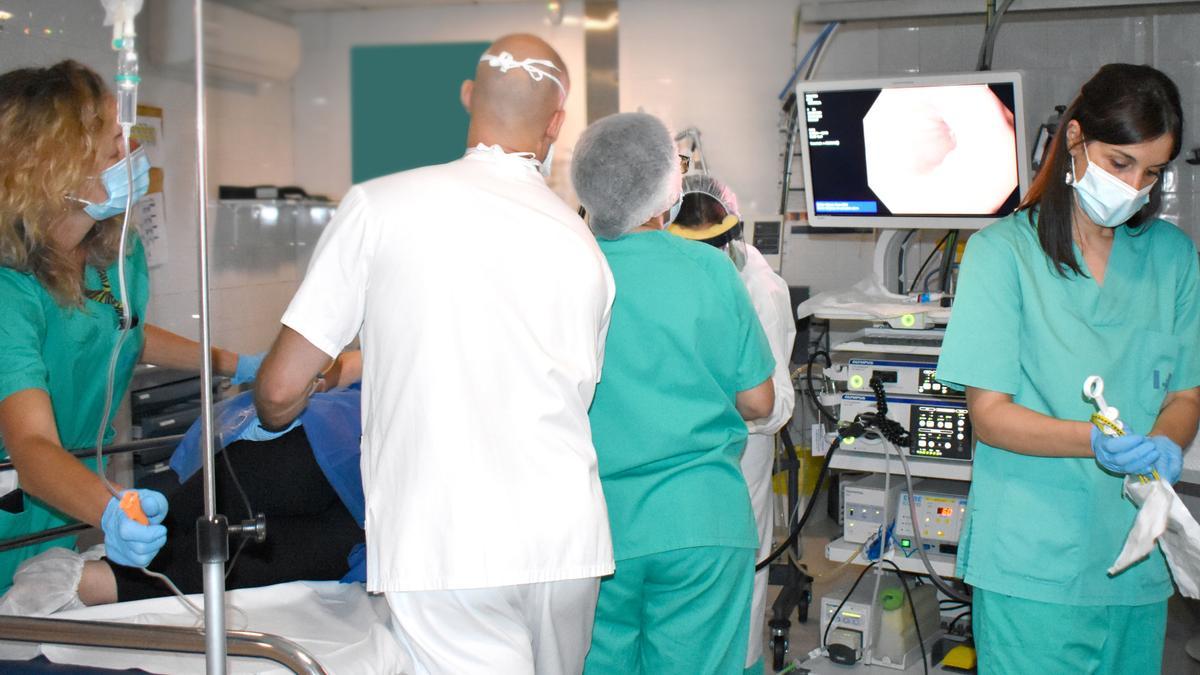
(1106, 199)
(115, 180)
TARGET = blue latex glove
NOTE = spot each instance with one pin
(1131, 454)
(128, 542)
(1170, 459)
(256, 432)
(247, 367)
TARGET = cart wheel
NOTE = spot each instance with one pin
(779, 647)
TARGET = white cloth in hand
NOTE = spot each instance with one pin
(1162, 517)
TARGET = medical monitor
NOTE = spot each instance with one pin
(933, 151)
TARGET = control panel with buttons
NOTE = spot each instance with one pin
(941, 507)
(940, 430)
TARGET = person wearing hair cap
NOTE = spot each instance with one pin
(710, 214)
(482, 301)
(686, 364)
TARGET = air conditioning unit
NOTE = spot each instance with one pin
(238, 45)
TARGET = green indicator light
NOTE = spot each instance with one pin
(856, 381)
(849, 440)
(908, 320)
(905, 543)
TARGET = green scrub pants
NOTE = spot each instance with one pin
(681, 611)
(1019, 636)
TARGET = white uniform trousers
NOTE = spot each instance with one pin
(757, 463)
(541, 628)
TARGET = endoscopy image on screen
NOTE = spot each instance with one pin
(913, 151)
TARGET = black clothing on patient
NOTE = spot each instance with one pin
(309, 530)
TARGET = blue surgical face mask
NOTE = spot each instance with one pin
(115, 180)
(1106, 199)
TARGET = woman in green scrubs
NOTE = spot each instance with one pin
(63, 181)
(686, 362)
(1082, 280)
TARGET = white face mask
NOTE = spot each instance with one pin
(544, 168)
(1106, 199)
(737, 253)
(674, 210)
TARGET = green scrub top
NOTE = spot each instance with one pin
(65, 352)
(1045, 528)
(683, 340)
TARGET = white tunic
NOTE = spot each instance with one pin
(773, 305)
(483, 304)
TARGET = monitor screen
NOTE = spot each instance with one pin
(941, 151)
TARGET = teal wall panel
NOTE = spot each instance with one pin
(404, 105)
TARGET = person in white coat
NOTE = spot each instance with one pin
(482, 301)
(710, 214)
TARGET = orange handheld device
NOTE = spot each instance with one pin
(132, 506)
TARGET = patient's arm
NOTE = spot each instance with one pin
(345, 371)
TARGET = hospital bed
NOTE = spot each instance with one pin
(330, 627)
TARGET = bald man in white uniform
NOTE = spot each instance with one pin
(483, 303)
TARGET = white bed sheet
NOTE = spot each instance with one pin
(341, 625)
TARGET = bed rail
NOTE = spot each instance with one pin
(157, 638)
(146, 445)
(143, 445)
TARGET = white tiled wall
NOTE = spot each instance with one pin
(712, 64)
(719, 66)
(250, 142)
(322, 87)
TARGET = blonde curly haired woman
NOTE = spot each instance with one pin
(64, 181)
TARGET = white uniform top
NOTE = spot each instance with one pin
(773, 304)
(483, 303)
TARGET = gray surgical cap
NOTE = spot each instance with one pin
(625, 170)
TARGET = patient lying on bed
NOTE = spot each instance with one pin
(306, 482)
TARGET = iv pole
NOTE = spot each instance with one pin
(212, 533)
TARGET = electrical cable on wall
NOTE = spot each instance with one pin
(812, 49)
(929, 258)
(991, 30)
(948, 257)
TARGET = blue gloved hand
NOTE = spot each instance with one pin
(1170, 459)
(127, 542)
(1131, 454)
(256, 432)
(247, 367)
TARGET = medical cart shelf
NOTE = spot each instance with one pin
(840, 550)
(823, 666)
(856, 460)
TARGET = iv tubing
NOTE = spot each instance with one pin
(126, 97)
(125, 326)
